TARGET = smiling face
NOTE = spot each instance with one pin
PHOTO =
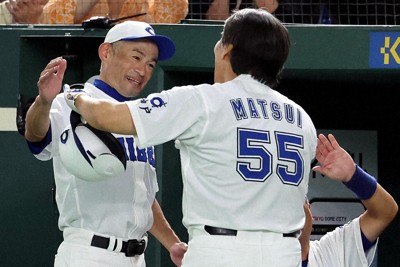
(128, 65)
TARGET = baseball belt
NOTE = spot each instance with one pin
(230, 232)
(131, 247)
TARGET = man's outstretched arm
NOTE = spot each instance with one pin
(104, 115)
(37, 120)
(337, 164)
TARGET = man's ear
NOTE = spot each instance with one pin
(227, 52)
(105, 50)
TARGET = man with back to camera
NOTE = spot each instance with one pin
(246, 150)
(104, 219)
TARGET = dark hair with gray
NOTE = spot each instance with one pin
(260, 44)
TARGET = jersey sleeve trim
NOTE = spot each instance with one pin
(37, 147)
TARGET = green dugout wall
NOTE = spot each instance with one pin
(346, 77)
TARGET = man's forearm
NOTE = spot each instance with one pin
(161, 229)
(381, 210)
(37, 120)
(105, 115)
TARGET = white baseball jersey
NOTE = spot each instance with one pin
(120, 206)
(341, 248)
(246, 152)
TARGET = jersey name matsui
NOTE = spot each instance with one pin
(259, 108)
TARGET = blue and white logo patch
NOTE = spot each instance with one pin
(148, 104)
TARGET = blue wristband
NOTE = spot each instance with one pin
(362, 184)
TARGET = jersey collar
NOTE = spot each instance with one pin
(110, 90)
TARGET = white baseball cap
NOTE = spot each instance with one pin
(133, 30)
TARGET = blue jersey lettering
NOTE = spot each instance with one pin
(133, 153)
(259, 108)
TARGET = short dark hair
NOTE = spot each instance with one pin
(260, 44)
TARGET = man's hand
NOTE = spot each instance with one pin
(70, 94)
(334, 161)
(26, 11)
(176, 253)
(50, 80)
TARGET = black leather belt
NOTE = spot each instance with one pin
(223, 231)
(131, 247)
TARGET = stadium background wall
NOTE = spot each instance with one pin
(337, 73)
